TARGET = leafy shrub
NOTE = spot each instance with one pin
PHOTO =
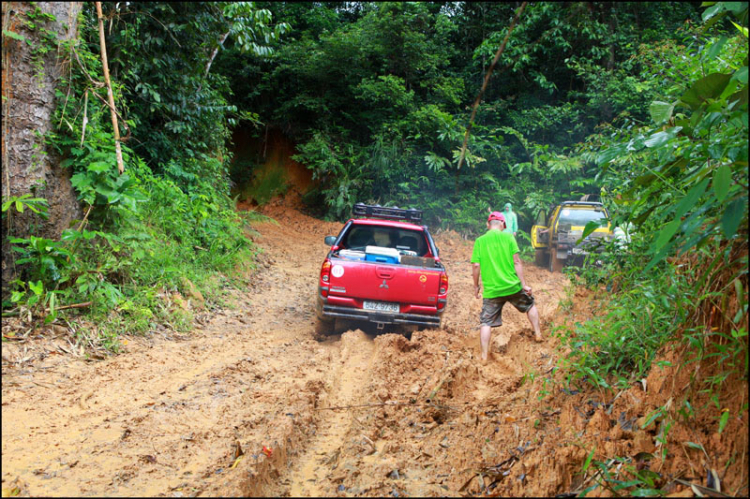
(144, 236)
(633, 324)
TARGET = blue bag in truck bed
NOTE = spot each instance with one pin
(381, 254)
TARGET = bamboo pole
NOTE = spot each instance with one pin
(108, 82)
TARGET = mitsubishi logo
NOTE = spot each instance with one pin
(384, 285)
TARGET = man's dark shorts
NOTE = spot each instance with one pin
(492, 308)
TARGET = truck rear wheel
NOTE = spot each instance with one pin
(540, 258)
(555, 264)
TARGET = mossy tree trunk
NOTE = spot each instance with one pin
(33, 62)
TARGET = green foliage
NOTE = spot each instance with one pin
(15, 36)
(632, 475)
(36, 299)
(682, 182)
(145, 235)
(620, 344)
(251, 27)
(45, 256)
(621, 475)
(97, 181)
(413, 69)
(178, 108)
(25, 201)
(692, 185)
(331, 160)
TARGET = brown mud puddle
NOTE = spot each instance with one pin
(253, 404)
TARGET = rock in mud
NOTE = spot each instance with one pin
(500, 342)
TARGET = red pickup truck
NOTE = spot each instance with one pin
(382, 268)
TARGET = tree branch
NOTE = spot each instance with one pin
(484, 85)
(216, 51)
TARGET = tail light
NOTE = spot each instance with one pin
(443, 284)
(325, 271)
(325, 276)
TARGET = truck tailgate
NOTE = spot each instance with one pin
(384, 282)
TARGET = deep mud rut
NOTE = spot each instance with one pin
(252, 403)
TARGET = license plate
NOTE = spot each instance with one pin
(579, 251)
(380, 305)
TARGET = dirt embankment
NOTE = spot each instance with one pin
(253, 404)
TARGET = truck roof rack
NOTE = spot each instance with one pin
(387, 213)
(588, 203)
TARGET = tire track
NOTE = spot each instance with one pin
(351, 373)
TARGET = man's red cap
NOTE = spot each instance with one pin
(496, 215)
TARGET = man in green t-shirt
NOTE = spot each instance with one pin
(496, 258)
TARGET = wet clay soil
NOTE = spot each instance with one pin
(253, 403)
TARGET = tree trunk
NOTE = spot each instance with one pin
(29, 79)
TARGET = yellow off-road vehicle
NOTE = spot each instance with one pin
(556, 243)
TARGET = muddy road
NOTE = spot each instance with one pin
(252, 403)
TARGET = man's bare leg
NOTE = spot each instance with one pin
(533, 315)
(485, 333)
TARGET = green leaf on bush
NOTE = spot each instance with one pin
(741, 75)
(660, 138)
(733, 215)
(80, 181)
(735, 7)
(706, 88)
(688, 202)
(37, 287)
(609, 154)
(666, 233)
(99, 166)
(661, 112)
(691, 198)
(741, 29)
(716, 48)
(645, 179)
(722, 181)
(591, 227)
(712, 11)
